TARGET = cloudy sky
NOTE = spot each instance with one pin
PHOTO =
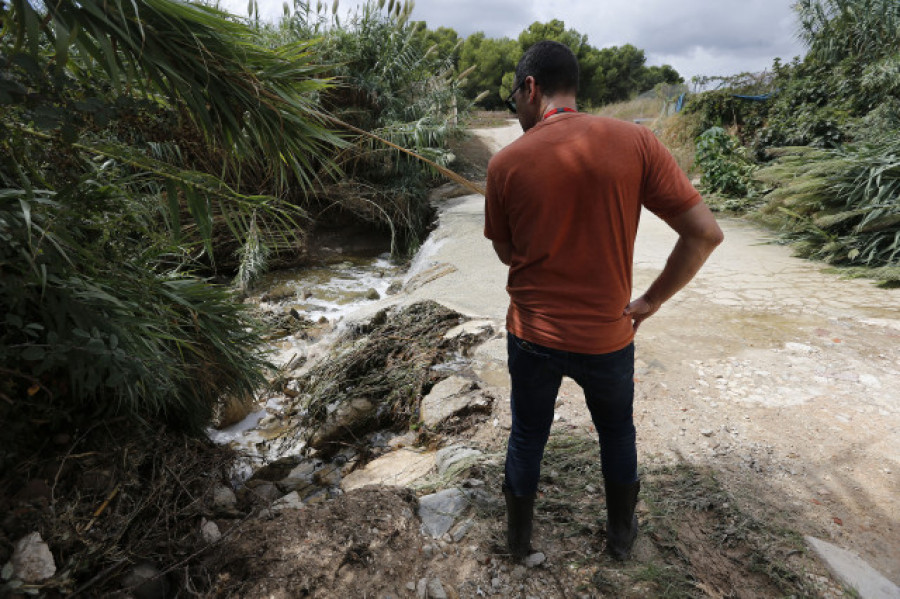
(697, 37)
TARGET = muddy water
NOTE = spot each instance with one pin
(323, 295)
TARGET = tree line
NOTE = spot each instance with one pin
(611, 74)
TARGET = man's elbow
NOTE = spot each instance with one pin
(715, 237)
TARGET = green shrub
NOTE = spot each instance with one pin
(107, 215)
(724, 164)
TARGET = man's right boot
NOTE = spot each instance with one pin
(519, 523)
(621, 522)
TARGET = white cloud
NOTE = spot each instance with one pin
(697, 37)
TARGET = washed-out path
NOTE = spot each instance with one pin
(780, 375)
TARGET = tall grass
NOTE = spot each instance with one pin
(638, 108)
(841, 206)
(106, 219)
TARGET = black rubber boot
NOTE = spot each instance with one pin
(621, 524)
(519, 523)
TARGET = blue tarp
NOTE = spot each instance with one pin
(754, 98)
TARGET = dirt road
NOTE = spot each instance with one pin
(781, 375)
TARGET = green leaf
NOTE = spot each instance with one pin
(33, 353)
(95, 346)
(48, 117)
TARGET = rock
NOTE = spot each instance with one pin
(328, 476)
(430, 588)
(372, 294)
(480, 329)
(535, 559)
(460, 530)
(394, 288)
(298, 478)
(440, 510)
(279, 292)
(397, 468)
(275, 471)
(422, 589)
(146, 581)
(291, 501)
(233, 409)
(854, 571)
(342, 422)
(448, 456)
(706, 432)
(224, 500)
(435, 589)
(451, 396)
(405, 440)
(209, 530)
(268, 492)
(31, 560)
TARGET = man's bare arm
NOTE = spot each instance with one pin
(504, 251)
(698, 235)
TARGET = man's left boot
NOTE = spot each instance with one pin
(621, 523)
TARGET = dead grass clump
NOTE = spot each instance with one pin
(676, 132)
(642, 107)
(484, 119)
(116, 495)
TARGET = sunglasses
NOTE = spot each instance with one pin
(510, 103)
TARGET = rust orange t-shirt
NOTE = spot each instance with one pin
(567, 196)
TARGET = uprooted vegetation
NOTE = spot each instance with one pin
(376, 375)
(117, 505)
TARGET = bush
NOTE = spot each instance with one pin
(723, 161)
(841, 206)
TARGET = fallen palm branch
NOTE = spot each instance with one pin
(443, 170)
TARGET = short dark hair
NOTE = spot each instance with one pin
(553, 66)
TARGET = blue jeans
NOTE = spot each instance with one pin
(608, 384)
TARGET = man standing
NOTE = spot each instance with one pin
(562, 209)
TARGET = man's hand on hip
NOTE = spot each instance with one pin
(640, 310)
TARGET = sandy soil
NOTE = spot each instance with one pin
(767, 394)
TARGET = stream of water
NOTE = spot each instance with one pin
(323, 294)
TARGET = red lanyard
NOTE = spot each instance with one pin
(558, 111)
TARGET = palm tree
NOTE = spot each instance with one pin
(100, 310)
